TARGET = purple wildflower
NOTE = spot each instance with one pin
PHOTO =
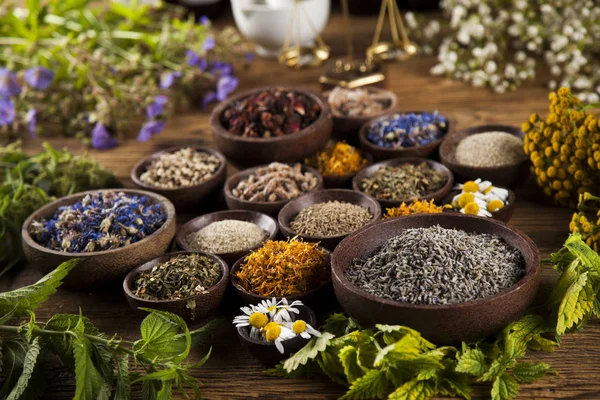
(168, 79)
(249, 56)
(195, 60)
(31, 120)
(226, 85)
(156, 107)
(208, 44)
(7, 111)
(208, 98)
(9, 86)
(39, 78)
(221, 67)
(150, 129)
(204, 20)
(101, 139)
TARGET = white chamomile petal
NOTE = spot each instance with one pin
(484, 185)
(279, 345)
(501, 194)
(484, 213)
(305, 335)
(312, 330)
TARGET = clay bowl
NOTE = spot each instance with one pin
(206, 303)
(187, 197)
(437, 196)
(442, 324)
(385, 153)
(291, 210)
(503, 215)
(264, 221)
(288, 148)
(250, 298)
(267, 353)
(343, 181)
(509, 175)
(269, 208)
(101, 266)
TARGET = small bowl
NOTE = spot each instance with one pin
(206, 303)
(250, 298)
(503, 215)
(437, 196)
(100, 266)
(288, 148)
(291, 210)
(344, 181)
(385, 153)
(186, 197)
(442, 324)
(265, 207)
(264, 221)
(509, 175)
(267, 353)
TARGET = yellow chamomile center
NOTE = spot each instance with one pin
(487, 190)
(258, 320)
(470, 186)
(465, 199)
(271, 308)
(272, 331)
(472, 208)
(495, 205)
(298, 327)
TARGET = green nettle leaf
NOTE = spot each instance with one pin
(330, 364)
(527, 327)
(526, 372)
(149, 390)
(13, 358)
(349, 358)
(456, 384)
(567, 278)
(159, 330)
(589, 257)
(577, 303)
(414, 390)
(562, 258)
(505, 388)
(339, 325)
(308, 352)
(372, 385)
(394, 333)
(29, 363)
(166, 391)
(89, 384)
(404, 349)
(123, 386)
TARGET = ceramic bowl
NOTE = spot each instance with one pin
(288, 148)
(312, 296)
(100, 266)
(385, 153)
(267, 353)
(205, 304)
(269, 208)
(267, 223)
(267, 23)
(509, 175)
(442, 324)
(436, 196)
(503, 214)
(187, 197)
(344, 181)
(291, 210)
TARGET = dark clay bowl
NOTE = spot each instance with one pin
(250, 298)
(503, 215)
(184, 198)
(509, 175)
(291, 210)
(288, 148)
(437, 196)
(101, 266)
(269, 208)
(264, 221)
(344, 181)
(267, 353)
(442, 324)
(206, 303)
(385, 153)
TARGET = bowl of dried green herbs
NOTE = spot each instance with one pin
(189, 284)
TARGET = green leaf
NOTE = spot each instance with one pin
(149, 390)
(576, 305)
(331, 365)
(349, 358)
(13, 358)
(589, 257)
(29, 363)
(414, 390)
(158, 331)
(123, 386)
(166, 391)
(540, 343)
(526, 372)
(527, 327)
(89, 384)
(203, 360)
(471, 361)
(567, 278)
(166, 374)
(372, 385)
(308, 352)
(505, 388)
(455, 384)
(339, 324)
(408, 347)
(394, 333)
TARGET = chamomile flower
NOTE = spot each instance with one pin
(253, 318)
(496, 193)
(474, 209)
(300, 327)
(275, 332)
(285, 311)
(495, 205)
(268, 306)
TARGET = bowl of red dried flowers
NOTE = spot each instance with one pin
(271, 124)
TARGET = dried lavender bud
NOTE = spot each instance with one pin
(404, 182)
(358, 102)
(332, 218)
(226, 236)
(490, 149)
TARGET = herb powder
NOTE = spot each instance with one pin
(490, 149)
(226, 236)
(332, 218)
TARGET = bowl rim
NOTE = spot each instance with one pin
(136, 171)
(448, 148)
(284, 225)
(529, 274)
(53, 206)
(218, 128)
(393, 97)
(167, 256)
(181, 243)
(249, 171)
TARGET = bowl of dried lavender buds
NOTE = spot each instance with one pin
(490, 152)
(404, 134)
(271, 124)
(227, 234)
(401, 180)
(338, 163)
(328, 216)
(266, 189)
(453, 277)
(189, 284)
(184, 175)
(111, 231)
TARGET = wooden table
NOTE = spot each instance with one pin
(232, 374)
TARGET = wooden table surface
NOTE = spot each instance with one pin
(232, 374)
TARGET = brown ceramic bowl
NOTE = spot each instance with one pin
(267, 223)
(250, 298)
(267, 353)
(269, 208)
(343, 181)
(385, 153)
(509, 175)
(288, 148)
(184, 198)
(291, 210)
(442, 324)
(206, 303)
(437, 196)
(503, 215)
(100, 266)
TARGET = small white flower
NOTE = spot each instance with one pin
(303, 329)
(520, 56)
(277, 333)
(268, 306)
(285, 312)
(490, 67)
(593, 98)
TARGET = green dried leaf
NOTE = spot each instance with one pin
(526, 372)
(505, 388)
(308, 352)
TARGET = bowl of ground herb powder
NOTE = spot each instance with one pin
(227, 234)
(490, 152)
(189, 284)
(328, 216)
(452, 277)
